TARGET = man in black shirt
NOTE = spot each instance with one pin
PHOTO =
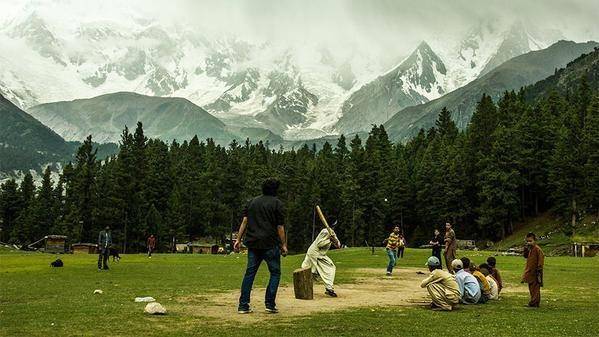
(263, 227)
(436, 243)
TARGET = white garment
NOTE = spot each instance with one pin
(494, 288)
(317, 259)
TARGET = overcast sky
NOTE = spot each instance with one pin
(387, 25)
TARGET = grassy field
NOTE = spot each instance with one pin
(36, 300)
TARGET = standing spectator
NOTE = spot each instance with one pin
(401, 245)
(436, 244)
(104, 243)
(264, 232)
(533, 272)
(450, 246)
(151, 244)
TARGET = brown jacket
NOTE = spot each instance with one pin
(450, 241)
(533, 272)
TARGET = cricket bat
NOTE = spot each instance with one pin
(326, 224)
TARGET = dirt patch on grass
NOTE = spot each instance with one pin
(371, 289)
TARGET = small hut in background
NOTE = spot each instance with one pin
(585, 249)
(204, 248)
(84, 248)
(50, 244)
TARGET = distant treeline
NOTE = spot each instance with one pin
(516, 159)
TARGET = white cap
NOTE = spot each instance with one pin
(457, 264)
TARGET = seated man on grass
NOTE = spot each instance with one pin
(468, 285)
(492, 262)
(485, 288)
(484, 269)
(441, 285)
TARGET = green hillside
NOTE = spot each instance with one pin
(554, 236)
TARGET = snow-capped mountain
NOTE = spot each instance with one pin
(417, 79)
(430, 72)
(485, 46)
(298, 92)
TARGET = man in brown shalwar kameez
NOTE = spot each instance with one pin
(533, 273)
(450, 246)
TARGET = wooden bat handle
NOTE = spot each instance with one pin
(322, 218)
(326, 225)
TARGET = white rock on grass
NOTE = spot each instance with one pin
(155, 308)
(145, 299)
(98, 291)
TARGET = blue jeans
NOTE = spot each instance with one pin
(392, 254)
(272, 257)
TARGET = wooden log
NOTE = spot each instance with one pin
(303, 284)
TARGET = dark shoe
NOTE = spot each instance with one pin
(105, 268)
(273, 310)
(244, 311)
(330, 293)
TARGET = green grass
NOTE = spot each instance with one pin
(36, 300)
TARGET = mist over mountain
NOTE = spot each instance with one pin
(326, 70)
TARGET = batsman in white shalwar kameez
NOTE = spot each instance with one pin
(317, 259)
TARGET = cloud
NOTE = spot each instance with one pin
(381, 26)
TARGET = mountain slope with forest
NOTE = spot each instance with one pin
(105, 116)
(25, 143)
(512, 75)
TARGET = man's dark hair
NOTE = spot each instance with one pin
(531, 235)
(431, 268)
(484, 266)
(465, 262)
(270, 186)
(491, 261)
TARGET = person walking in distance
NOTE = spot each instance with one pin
(436, 245)
(450, 246)
(264, 232)
(104, 243)
(151, 244)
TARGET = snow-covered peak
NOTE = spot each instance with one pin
(50, 55)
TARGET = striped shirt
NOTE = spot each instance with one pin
(393, 241)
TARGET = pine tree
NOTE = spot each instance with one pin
(44, 216)
(566, 171)
(85, 190)
(445, 125)
(499, 183)
(22, 232)
(10, 205)
(591, 148)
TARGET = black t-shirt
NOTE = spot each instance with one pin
(264, 214)
(439, 240)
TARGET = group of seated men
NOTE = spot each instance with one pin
(471, 284)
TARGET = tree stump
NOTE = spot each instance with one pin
(303, 284)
